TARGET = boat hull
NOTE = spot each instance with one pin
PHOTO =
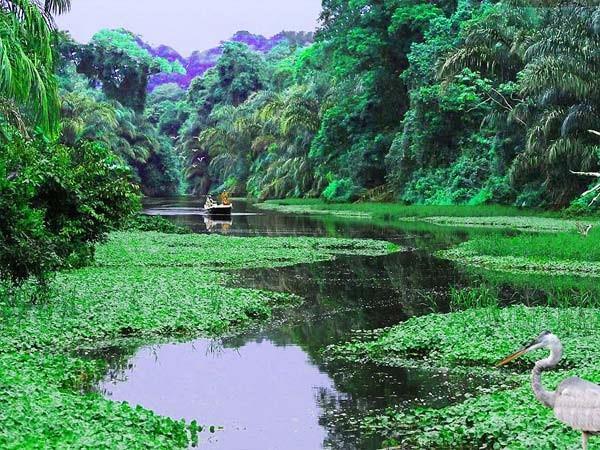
(220, 210)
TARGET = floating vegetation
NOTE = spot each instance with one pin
(144, 285)
(547, 224)
(475, 339)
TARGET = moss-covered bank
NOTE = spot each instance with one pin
(144, 285)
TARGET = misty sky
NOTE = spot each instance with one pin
(188, 25)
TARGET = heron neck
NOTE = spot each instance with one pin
(544, 396)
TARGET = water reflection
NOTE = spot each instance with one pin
(263, 394)
(270, 388)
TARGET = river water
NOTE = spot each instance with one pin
(270, 387)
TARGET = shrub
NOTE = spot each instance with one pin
(468, 180)
(343, 190)
(532, 195)
(56, 202)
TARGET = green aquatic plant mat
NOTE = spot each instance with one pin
(507, 416)
(44, 407)
(145, 286)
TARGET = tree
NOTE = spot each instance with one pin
(212, 100)
(166, 109)
(87, 115)
(561, 79)
(240, 73)
(552, 55)
(27, 60)
(115, 59)
(365, 44)
(57, 202)
(288, 121)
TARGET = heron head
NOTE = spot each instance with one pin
(545, 339)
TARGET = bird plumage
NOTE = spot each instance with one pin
(577, 404)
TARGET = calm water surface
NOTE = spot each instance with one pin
(270, 388)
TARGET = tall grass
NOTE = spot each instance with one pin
(477, 297)
(559, 246)
(492, 296)
(397, 210)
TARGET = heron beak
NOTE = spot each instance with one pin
(509, 358)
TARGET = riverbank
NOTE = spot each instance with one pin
(483, 216)
(562, 247)
(146, 286)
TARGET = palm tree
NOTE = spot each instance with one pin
(229, 144)
(289, 121)
(86, 118)
(27, 58)
(561, 75)
(489, 46)
(554, 56)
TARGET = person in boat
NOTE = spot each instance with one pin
(225, 198)
(210, 203)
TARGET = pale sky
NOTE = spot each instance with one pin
(188, 25)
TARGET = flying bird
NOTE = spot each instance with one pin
(575, 402)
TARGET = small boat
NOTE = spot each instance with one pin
(218, 209)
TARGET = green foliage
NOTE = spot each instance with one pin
(524, 223)
(217, 137)
(43, 407)
(27, 61)
(477, 338)
(467, 180)
(551, 54)
(466, 298)
(433, 103)
(87, 115)
(573, 253)
(561, 246)
(153, 284)
(57, 202)
(333, 107)
(587, 204)
(143, 285)
(342, 190)
(503, 215)
(166, 109)
(141, 222)
(241, 72)
(116, 60)
(124, 41)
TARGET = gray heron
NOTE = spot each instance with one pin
(575, 402)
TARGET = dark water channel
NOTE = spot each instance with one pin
(270, 387)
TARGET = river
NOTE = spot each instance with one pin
(270, 387)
